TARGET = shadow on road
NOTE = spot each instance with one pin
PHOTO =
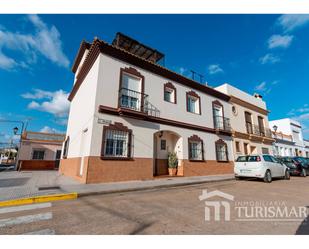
(303, 229)
(141, 225)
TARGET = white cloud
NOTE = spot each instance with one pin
(214, 69)
(269, 59)
(43, 41)
(6, 62)
(280, 41)
(260, 87)
(47, 129)
(38, 94)
(55, 103)
(289, 22)
(265, 87)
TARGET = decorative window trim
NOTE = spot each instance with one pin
(169, 85)
(195, 138)
(217, 103)
(195, 95)
(117, 127)
(66, 147)
(132, 71)
(221, 142)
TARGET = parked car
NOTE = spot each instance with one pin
(294, 166)
(261, 166)
(302, 164)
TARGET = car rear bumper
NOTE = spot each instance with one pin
(249, 173)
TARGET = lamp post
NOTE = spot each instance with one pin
(15, 131)
(275, 127)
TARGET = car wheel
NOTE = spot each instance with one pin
(287, 175)
(267, 177)
(303, 172)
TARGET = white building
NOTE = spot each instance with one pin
(128, 112)
(249, 120)
(289, 138)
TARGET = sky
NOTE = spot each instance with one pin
(267, 54)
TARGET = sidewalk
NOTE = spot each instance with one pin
(15, 185)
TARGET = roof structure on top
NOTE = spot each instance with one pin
(135, 47)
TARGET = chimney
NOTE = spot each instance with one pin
(258, 96)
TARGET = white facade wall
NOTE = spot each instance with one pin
(101, 87)
(81, 116)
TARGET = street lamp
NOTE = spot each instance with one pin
(275, 127)
(15, 130)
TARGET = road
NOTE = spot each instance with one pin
(162, 211)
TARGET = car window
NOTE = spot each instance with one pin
(275, 160)
(267, 158)
(248, 159)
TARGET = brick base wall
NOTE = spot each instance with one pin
(97, 170)
(117, 170)
(37, 165)
(210, 167)
(71, 167)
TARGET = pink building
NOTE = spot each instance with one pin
(40, 151)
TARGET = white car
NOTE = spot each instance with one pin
(261, 166)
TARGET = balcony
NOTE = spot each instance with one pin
(222, 123)
(258, 131)
(137, 101)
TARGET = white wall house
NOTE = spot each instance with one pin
(249, 120)
(128, 112)
(289, 138)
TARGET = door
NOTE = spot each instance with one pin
(218, 117)
(279, 168)
(269, 163)
(58, 156)
(261, 125)
(248, 120)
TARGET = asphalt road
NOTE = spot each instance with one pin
(166, 211)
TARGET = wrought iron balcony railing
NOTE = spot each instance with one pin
(137, 101)
(222, 123)
(258, 131)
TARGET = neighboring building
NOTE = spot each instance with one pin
(128, 112)
(289, 138)
(40, 151)
(251, 133)
(306, 144)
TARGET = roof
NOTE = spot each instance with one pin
(42, 136)
(135, 47)
(100, 46)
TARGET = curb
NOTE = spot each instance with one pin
(135, 189)
(38, 199)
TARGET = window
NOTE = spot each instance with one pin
(131, 92)
(261, 125)
(193, 103)
(237, 145)
(265, 151)
(234, 110)
(163, 144)
(248, 120)
(248, 159)
(170, 93)
(217, 109)
(116, 141)
(66, 147)
(267, 158)
(38, 154)
(196, 152)
(221, 151)
(246, 148)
